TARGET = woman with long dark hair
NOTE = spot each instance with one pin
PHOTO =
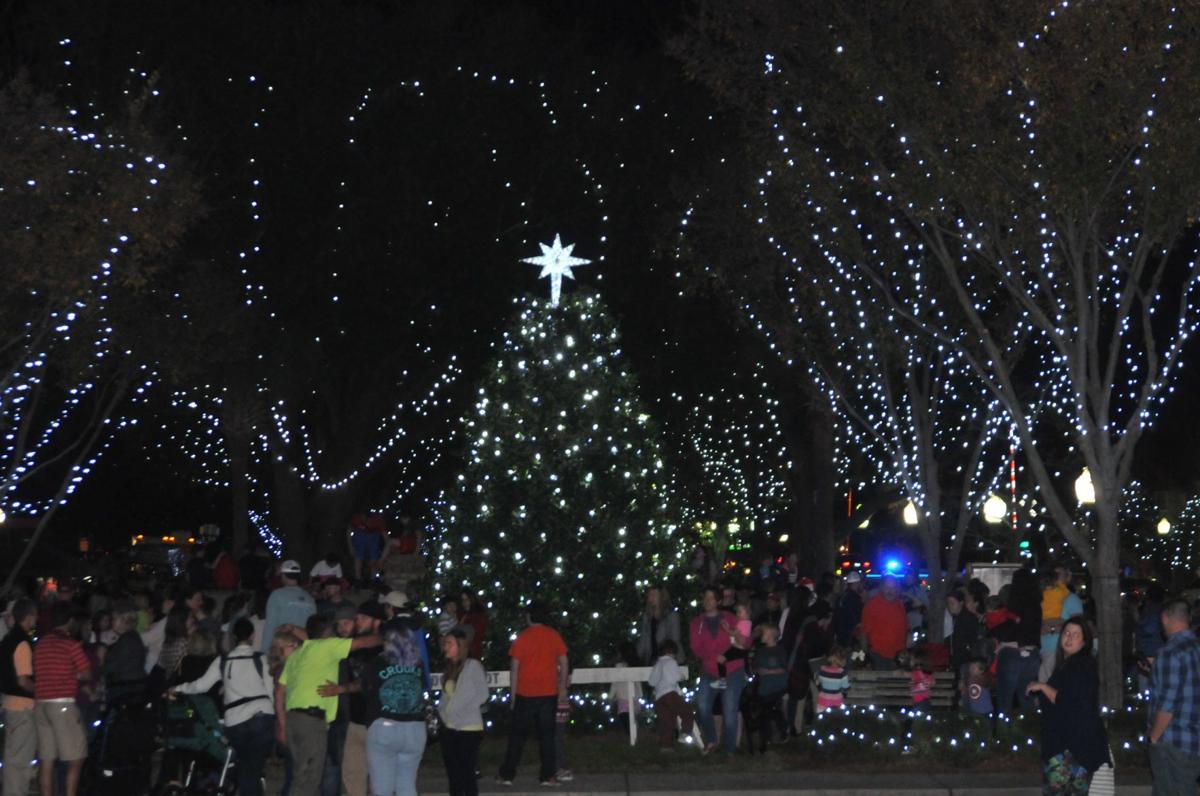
(1020, 646)
(393, 683)
(464, 691)
(1074, 743)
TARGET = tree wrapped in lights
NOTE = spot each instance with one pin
(735, 436)
(563, 495)
(91, 217)
(1040, 157)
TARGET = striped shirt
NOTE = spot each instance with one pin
(1176, 691)
(58, 660)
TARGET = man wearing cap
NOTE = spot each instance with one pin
(396, 610)
(305, 722)
(849, 609)
(290, 604)
(352, 707)
(16, 682)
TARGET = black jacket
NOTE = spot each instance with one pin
(8, 669)
(1073, 721)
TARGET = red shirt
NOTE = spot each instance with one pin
(886, 626)
(537, 650)
(58, 660)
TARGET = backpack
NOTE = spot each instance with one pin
(258, 666)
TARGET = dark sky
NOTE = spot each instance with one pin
(395, 197)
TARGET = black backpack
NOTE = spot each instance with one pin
(258, 666)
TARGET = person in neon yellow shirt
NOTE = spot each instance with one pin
(305, 724)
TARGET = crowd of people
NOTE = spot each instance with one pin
(336, 687)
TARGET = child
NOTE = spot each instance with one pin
(619, 692)
(997, 614)
(922, 678)
(562, 718)
(977, 688)
(668, 702)
(832, 681)
(448, 618)
(741, 630)
(770, 669)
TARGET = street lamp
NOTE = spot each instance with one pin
(1085, 490)
(1163, 527)
(994, 510)
(910, 514)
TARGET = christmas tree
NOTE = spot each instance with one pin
(563, 493)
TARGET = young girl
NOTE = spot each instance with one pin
(739, 639)
(922, 678)
(832, 681)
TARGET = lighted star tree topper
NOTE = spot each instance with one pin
(556, 262)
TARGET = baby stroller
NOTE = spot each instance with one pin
(197, 758)
(123, 748)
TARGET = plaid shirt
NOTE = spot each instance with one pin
(1176, 691)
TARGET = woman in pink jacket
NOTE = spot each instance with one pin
(711, 636)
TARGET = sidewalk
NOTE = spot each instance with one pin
(802, 783)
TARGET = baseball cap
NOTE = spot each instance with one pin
(345, 611)
(372, 609)
(807, 583)
(853, 577)
(396, 599)
(290, 567)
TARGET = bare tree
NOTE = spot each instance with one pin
(1040, 158)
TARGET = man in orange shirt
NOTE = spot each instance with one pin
(538, 680)
(885, 625)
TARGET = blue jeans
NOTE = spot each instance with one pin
(731, 700)
(394, 750)
(331, 776)
(252, 741)
(1013, 673)
(1174, 770)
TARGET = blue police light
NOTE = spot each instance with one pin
(892, 565)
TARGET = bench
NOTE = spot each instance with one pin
(894, 689)
(628, 677)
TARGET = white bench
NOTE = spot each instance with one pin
(630, 676)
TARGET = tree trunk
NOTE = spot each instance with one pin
(239, 482)
(931, 543)
(821, 469)
(288, 504)
(1106, 585)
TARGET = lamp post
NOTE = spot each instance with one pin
(994, 510)
(909, 515)
(1085, 490)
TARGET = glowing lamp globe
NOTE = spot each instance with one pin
(1085, 490)
(994, 509)
(910, 513)
(3, 516)
(1163, 527)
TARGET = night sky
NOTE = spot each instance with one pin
(372, 174)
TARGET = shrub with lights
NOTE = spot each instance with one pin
(563, 495)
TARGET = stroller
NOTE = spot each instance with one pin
(197, 756)
(123, 748)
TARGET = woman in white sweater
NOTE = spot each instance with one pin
(464, 690)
